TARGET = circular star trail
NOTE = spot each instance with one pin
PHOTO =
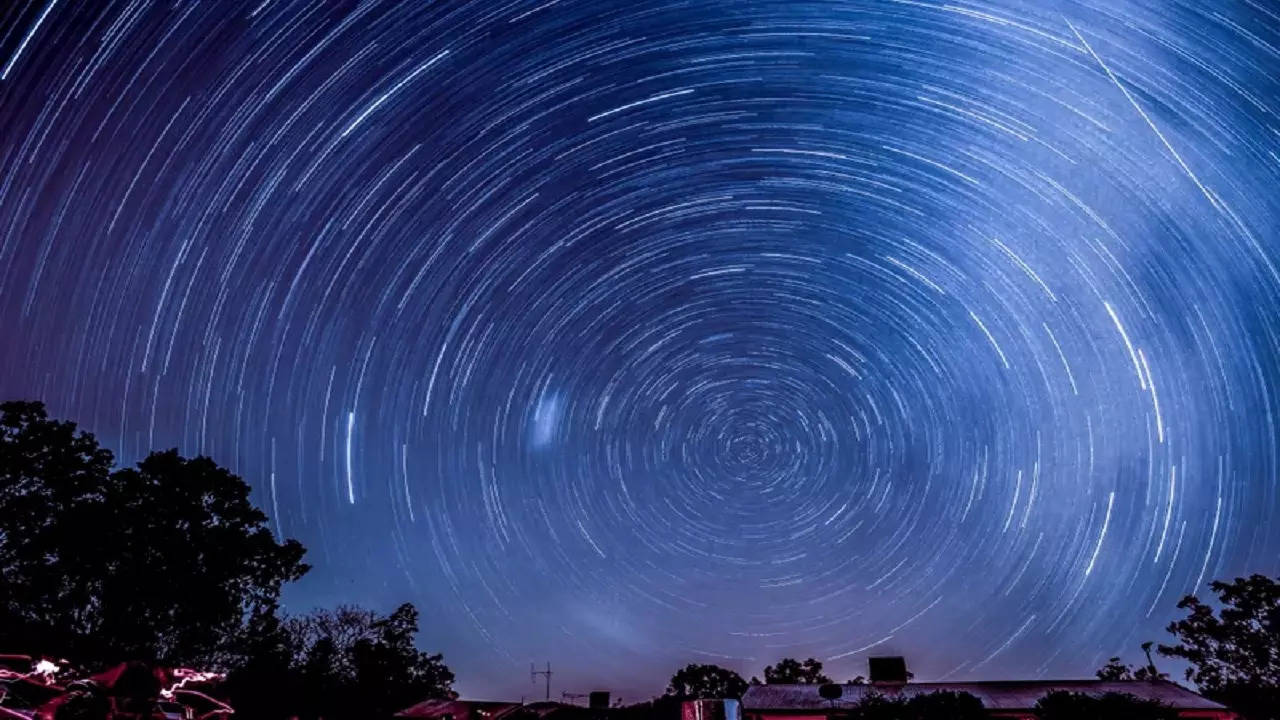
(628, 334)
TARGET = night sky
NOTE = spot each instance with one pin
(630, 334)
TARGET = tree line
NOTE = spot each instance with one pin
(170, 563)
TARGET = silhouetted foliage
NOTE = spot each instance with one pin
(1063, 705)
(1249, 701)
(790, 671)
(344, 664)
(1234, 656)
(945, 705)
(170, 563)
(941, 705)
(162, 562)
(1115, 670)
(874, 706)
(390, 673)
(265, 683)
(695, 681)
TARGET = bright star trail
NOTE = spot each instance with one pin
(630, 334)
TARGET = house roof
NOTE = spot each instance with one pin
(542, 710)
(996, 695)
(462, 710)
(459, 709)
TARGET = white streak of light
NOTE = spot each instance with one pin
(351, 426)
(1102, 535)
(1137, 367)
(4, 75)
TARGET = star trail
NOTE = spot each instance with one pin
(630, 334)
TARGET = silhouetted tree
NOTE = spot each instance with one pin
(1063, 705)
(170, 563)
(945, 705)
(790, 671)
(343, 664)
(1250, 702)
(695, 681)
(51, 502)
(162, 562)
(1234, 656)
(1150, 672)
(1115, 670)
(390, 673)
(264, 683)
(874, 706)
(941, 705)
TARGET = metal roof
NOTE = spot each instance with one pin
(995, 695)
(459, 709)
(543, 709)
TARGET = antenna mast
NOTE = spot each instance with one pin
(534, 673)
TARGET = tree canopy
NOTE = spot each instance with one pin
(941, 705)
(342, 664)
(695, 681)
(170, 563)
(946, 705)
(1234, 655)
(1117, 670)
(1240, 645)
(790, 671)
(162, 562)
(1063, 705)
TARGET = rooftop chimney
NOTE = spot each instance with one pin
(890, 670)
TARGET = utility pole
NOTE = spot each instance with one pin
(534, 673)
